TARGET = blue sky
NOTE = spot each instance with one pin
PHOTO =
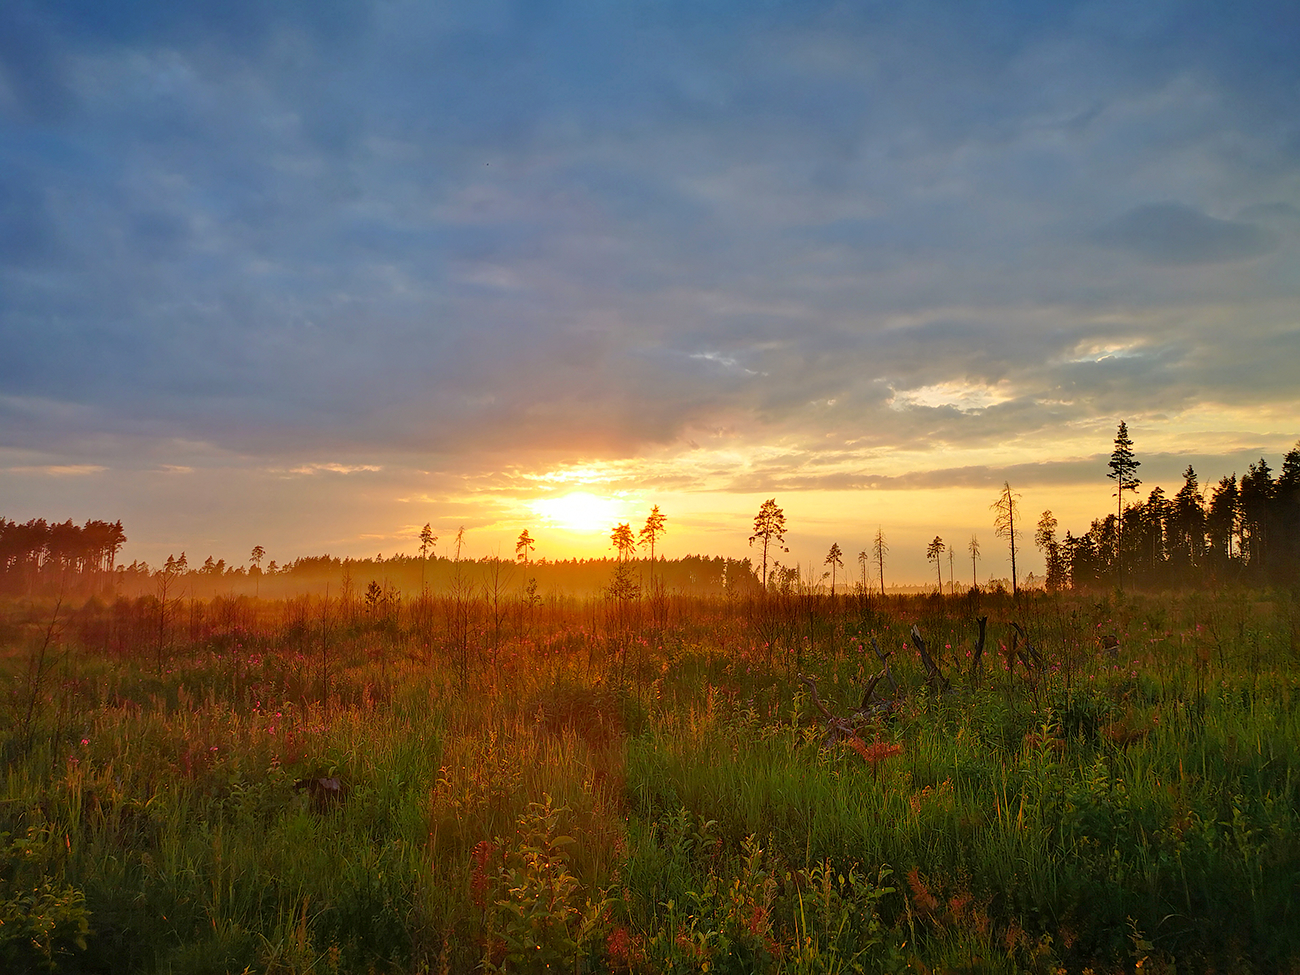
(312, 274)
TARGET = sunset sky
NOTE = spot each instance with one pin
(312, 274)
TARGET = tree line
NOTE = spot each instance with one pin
(1246, 531)
(59, 556)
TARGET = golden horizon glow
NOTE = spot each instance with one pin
(580, 511)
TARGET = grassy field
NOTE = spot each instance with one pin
(648, 785)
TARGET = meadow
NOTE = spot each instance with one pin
(654, 783)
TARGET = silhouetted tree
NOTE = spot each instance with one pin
(1222, 522)
(1286, 498)
(1153, 542)
(1123, 467)
(834, 558)
(172, 570)
(622, 539)
(1005, 509)
(1186, 528)
(932, 552)
(1045, 539)
(427, 540)
(879, 549)
(649, 535)
(769, 525)
(524, 546)
(255, 558)
(1257, 493)
(653, 529)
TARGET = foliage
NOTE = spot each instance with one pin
(42, 922)
(545, 921)
(601, 795)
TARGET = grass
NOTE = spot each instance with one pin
(620, 793)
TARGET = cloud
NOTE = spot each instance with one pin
(59, 470)
(376, 235)
(1168, 233)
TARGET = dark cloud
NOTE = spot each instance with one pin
(516, 227)
(28, 234)
(1168, 233)
(30, 64)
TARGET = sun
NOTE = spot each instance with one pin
(579, 511)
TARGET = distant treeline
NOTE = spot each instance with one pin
(1246, 532)
(58, 556)
(408, 575)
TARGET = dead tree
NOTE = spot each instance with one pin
(837, 728)
(872, 706)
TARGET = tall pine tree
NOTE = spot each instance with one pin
(1123, 470)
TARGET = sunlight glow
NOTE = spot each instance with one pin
(965, 396)
(580, 511)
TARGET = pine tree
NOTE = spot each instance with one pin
(769, 525)
(834, 558)
(932, 552)
(621, 538)
(1123, 467)
(524, 546)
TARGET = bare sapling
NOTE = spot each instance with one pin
(40, 665)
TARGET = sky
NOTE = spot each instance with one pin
(311, 274)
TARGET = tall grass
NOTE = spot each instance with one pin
(598, 791)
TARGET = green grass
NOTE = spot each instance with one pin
(654, 798)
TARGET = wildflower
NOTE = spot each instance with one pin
(481, 855)
(875, 752)
(924, 901)
(85, 741)
(619, 946)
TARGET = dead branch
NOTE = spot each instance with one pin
(836, 728)
(937, 683)
(884, 660)
(872, 705)
(1033, 654)
(816, 698)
